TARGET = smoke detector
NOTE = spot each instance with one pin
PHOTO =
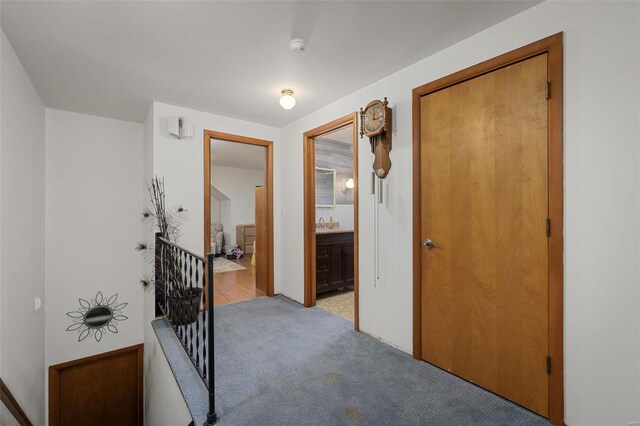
(298, 46)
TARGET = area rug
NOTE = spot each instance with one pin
(338, 303)
(220, 264)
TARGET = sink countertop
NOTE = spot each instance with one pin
(332, 231)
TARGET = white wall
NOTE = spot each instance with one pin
(94, 199)
(602, 214)
(240, 186)
(341, 213)
(22, 203)
(215, 209)
(180, 162)
(164, 404)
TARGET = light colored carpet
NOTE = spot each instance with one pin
(220, 264)
(338, 303)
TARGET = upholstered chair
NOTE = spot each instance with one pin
(216, 238)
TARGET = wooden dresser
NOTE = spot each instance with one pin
(245, 237)
(334, 261)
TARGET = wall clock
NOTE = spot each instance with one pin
(375, 123)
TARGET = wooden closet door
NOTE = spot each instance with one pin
(101, 390)
(484, 201)
(260, 245)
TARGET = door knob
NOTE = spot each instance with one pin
(428, 243)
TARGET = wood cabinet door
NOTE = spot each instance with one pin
(349, 261)
(323, 267)
(101, 390)
(337, 266)
(484, 203)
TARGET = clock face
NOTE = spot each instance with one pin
(374, 119)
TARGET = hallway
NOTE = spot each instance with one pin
(429, 198)
(278, 363)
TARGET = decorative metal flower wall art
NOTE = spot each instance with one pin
(97, 317)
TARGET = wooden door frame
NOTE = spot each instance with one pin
(54, 379)
(309, 156)
(212, 134)
(553, 47)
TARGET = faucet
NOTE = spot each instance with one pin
(321, 222)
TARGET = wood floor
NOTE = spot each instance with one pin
(236, 286)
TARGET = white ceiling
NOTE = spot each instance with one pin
(113, 58)
(240, 155)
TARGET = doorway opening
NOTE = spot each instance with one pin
(238, 215)
(488, 225)
(331, 217)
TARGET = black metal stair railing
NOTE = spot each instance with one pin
(184, 294)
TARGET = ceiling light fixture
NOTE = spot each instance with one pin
(298, 46)
(287, 101)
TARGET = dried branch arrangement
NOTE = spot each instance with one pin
(168, 223)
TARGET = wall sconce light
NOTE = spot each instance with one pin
(287, 101)
(348, 186)
(180, 127)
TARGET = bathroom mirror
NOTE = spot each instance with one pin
(325, 187)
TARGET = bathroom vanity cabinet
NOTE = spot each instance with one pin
(334, 260)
